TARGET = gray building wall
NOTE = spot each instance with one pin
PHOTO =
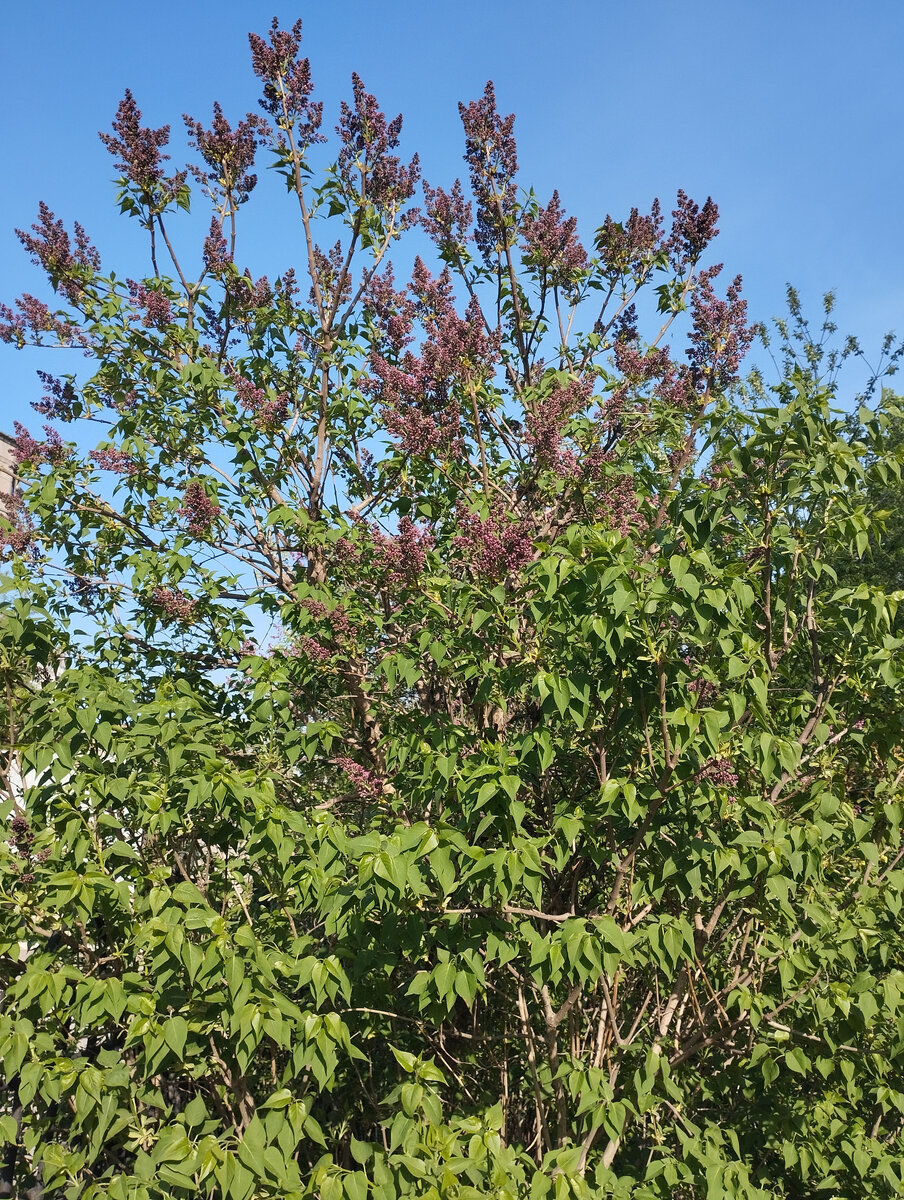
(7, 465)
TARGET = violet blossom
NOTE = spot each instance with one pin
(720, 336)
(492, 158)
(366, 783)
(366, 166)
(229, 153)
(50, 247)
(693, 228)
(174, 605)
(401, 558)
(496, 545)
(199, 511)
(628, 248)
(59, 397)
(138, 150)
(287, 82)
(29, 450)
(551, 245)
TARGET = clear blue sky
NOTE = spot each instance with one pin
(790, 113)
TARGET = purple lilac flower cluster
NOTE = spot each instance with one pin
(420, 408)
(401, 559)
(199, 511)
(627, 248)
(335, 283)
(21, 840)
(367, 168)
(672, 382)
(719, 772)
(174, 605)
(618, 503)
(158, 311)
(720, 336)
(336, 619)
(268, 412)
(229, 153)
(546, 423)
(492, 158)
(705, 691)
(18, 531)
(118, 461)
(716, 474)
(287, 82)
(495, 545)
(29, 450)
(215, 251)
(139, 154)
(309, 647)
(392, 311)
(447, 217)
(50, 247)
(59, 396)
(551, 245)
(33, 318)
(367, 784)
(693, 228)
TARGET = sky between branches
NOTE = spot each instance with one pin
(788, 112)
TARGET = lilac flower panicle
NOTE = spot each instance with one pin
(366, 783)
(625, 328)
(551, 244)
(401, 558)
(247, 394)
(419, 405)
(286, 287)
(336, 619)
(28, 449)
(447, 216)
(117, 461)
(158, 310)
(229, 153)
(216, 250)
(34, 318)
(672, 383)
(719, 772)
(50, 247)
(392, 311)
(629, 248)
(287, 82)
(311, 648)
(17, 530)
(138, 151)
(198, 510)
(496, 545)
(59, 396)
(615, 501)
(453, 343)
(329, 266)
(366, 165)
(693, 228)
(492, 158)
(720, 336)
(174, 605)
(268, 412)
(21, 838)
(546, 421)
(705, 691)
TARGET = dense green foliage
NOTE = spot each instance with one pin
(551, 846)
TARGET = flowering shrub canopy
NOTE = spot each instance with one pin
(551, 844)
